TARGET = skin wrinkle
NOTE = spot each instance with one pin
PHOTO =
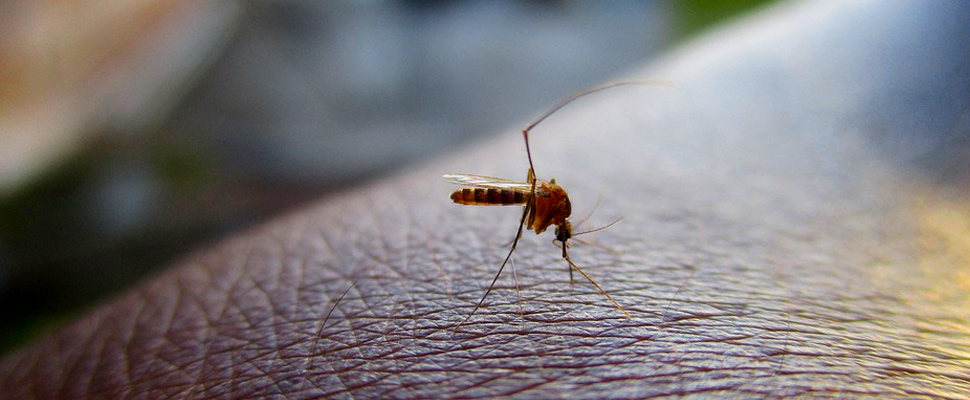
(80, 362)
(126, 355)
(215, 340)
(214, 320)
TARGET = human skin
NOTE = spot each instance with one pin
(795, 223)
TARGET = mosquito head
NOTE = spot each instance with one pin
(564, 231)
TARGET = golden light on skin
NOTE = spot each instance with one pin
(943, 258)
(944, 243)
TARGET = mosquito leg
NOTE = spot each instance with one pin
(515, 242)
(589, 91)
(510, 242)
(528, 153)
(570, 99)
(598, 287)
(518, 293)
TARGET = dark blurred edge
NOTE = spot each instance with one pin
(55, 261)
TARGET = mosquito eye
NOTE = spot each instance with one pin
(562, 234)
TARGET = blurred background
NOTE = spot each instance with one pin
(133, 131)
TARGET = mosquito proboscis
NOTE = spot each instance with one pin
(546, 203)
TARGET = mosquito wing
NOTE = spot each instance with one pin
(489, 182)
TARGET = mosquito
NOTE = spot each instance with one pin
(546, 203)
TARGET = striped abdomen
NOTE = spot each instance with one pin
(488, 197)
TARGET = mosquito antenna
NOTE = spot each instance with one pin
(598, 287)
(595, 205)
(592, 243)
(615, 221)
